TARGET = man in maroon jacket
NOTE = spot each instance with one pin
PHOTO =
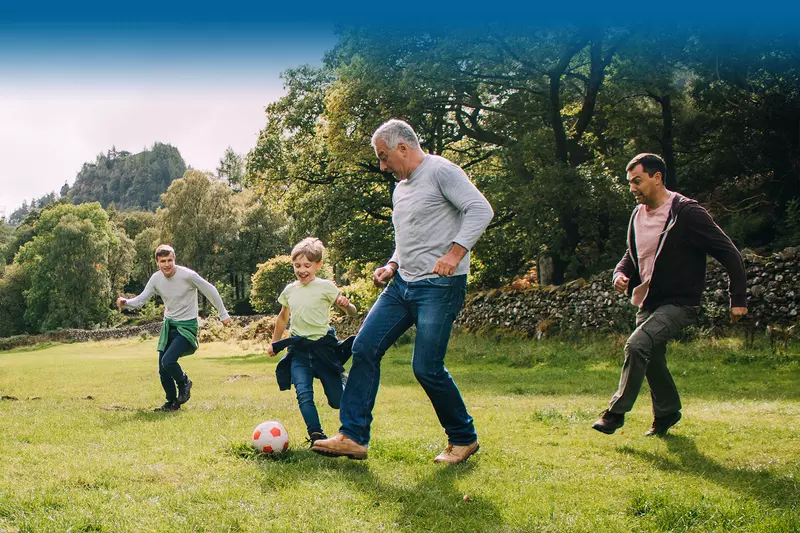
(663, 271)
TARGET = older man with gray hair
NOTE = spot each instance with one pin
(438, 216)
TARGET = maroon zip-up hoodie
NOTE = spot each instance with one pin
(679, 272)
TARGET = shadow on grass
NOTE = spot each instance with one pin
(685, 458)
(434, 503)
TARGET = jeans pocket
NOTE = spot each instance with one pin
(441, 281)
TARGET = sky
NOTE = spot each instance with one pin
(70, 90)
(77, 79)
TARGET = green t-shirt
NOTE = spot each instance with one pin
(310, 307)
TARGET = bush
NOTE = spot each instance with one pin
(268, 282)
(362, 293)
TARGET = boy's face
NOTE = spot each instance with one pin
(305, 269)
(166, 264)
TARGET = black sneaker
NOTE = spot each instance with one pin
(609, 422)
(185, 392)
(168, 406)
(314, 436)
(661, 424)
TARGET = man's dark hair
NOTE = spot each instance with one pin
(651, 163)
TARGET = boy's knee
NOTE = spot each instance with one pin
(305, 396)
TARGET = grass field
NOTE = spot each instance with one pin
(80, 449)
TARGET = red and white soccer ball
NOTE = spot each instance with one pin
(270, 438)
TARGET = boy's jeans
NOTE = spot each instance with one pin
(169, 370)
(303, 373)
(432, 305)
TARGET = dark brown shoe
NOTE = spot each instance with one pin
(661, 424)
(340, 446)
(609, 422)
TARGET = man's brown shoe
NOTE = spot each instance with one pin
(456, 454)
(340, 446)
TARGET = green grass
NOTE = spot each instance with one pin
(88, 455)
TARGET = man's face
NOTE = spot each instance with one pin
(166, 264)
(643, 186)
(305, 269)
(394, 161)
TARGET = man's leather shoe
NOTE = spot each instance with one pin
(661, 424)
(340, 446)
(456, 454)
(609, 422)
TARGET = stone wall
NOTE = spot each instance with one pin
(773, 290)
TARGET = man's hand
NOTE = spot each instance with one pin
(737, 313)
(270, 350)
(227, 321)
(120, 302)
(447, 264)
(382, 275)
(621, 284)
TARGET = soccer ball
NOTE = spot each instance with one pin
(270, 438)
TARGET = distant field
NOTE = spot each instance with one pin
(80, 449)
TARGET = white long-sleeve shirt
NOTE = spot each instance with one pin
(435, 207)
(179, 293)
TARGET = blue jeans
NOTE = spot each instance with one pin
(432, 305)
(169, 370)
(303, 373)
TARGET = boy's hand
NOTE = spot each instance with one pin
(382, 275)
(341, 301)
(227, 321)
(120, 302)
(270, 351)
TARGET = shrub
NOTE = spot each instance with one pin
(268, 282)
(362, 293)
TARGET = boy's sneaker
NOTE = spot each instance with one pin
(661, 424)
(185, 391)
(314, 436)
(609, 422)
(168, 406)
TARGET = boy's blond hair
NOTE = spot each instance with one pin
(310, 247)
(164, 250)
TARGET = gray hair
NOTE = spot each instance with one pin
(395, 131)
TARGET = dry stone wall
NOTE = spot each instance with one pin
(773, 291)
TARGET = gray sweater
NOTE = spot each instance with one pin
(435, 207)
(179, 293)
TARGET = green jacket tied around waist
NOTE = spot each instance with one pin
(186, 328)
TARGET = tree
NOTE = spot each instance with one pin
(231, 168)
(68, 263)
(13, 284)
(198, 219)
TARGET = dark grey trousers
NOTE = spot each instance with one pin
(646, 357)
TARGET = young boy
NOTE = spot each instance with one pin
(313, 350)
(178, 287)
